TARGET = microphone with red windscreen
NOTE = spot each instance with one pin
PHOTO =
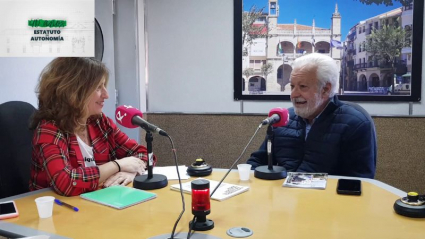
(277, 117)
(130, 117)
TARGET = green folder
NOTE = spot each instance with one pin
(118, 196)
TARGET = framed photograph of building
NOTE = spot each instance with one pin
(376, 44)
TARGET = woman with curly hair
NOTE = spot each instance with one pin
(76, 148)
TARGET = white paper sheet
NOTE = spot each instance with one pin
(170, 172)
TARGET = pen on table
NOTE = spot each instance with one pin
(59, 202)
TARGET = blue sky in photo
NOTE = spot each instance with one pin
(352, 11)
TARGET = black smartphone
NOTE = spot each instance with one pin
(349, 186)
(8, 210)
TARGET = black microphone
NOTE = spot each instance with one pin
(277, 116)
(130, 117)
(137, 120)
(271, 120)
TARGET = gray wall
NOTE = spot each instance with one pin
(126, 57)
(19, 77)
(103, 14)
(190, 56)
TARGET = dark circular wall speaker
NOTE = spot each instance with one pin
(98, 41)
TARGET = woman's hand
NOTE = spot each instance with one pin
(132, 165)
(120, 178)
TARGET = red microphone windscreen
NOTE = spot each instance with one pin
(284, 116)
(125, 113)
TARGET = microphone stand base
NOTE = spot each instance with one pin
(263, 172)
(183, 235)
(143, 182)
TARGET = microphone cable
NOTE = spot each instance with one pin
(191, 227)
(173, 149)
(181, 194)
(237, 160)
(218, 185)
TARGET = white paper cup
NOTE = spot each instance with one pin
(45, 206)
(244, 171)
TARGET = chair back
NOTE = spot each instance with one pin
(361, 109)
(15, 147)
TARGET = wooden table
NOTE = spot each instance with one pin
(270, 210)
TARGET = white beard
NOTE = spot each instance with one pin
(311, 107)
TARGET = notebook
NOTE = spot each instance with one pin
(119, 197)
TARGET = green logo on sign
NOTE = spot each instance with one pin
(46, 23)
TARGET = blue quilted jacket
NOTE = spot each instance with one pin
(342, 141)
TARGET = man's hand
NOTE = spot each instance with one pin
(120, 178)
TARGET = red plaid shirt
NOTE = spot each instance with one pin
(57, 161)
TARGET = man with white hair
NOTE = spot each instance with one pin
(323, 134)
